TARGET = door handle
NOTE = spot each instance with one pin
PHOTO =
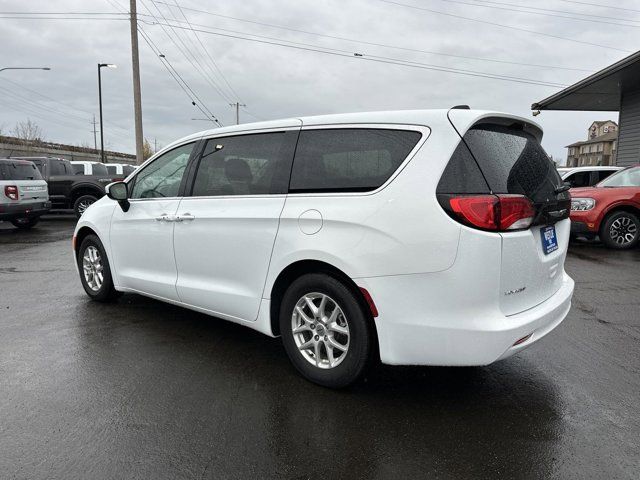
(185, 216)
(163, 218)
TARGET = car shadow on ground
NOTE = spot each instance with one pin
(230, 366)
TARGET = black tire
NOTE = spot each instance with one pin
(25, 223)
(359, 353)
(620, 230)
(106, 292)
(82, 203)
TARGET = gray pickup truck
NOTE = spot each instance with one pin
(23, 193)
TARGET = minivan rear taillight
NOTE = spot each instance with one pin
(490, 212)
(11, 192)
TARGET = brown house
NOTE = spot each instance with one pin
(599, 148)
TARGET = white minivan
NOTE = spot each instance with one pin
(433, 237)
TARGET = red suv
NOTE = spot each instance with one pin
(610, 209)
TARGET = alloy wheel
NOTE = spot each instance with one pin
(623, 231)
(92, 268)
(320, 330)
(82, 206)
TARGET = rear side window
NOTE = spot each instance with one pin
(112, 169)
(128, 170)
(513, 162)
(99, 169)
(254, 164)
(349, 159)
(462, 174)
(19, 171)
(78, 169)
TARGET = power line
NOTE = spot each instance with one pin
(217, 68)
(62, 18)
(41, 107)
(186, 53)
(557, 11)
(600, 5)
(172, 71)
(363, 42)
(61, 13)
(375, 58)
(503, 25)
(50, 99)
(501, 6)
(21, 106)
(178, 78)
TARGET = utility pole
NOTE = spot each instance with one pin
(135, 63)
(95, 141)
(237, 105)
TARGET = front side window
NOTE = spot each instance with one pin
(629, 177)
(602, 174)
(253, 164)
(349, 159)
(162, 177)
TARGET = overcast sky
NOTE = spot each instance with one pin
(275, 81)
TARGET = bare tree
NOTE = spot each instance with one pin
(28, 132)
(147, 150)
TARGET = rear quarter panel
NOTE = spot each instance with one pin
(398, 229)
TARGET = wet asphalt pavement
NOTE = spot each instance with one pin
(141, 389)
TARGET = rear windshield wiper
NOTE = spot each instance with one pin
(562, 188)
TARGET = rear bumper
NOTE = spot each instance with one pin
(10, 212)
(465, 338)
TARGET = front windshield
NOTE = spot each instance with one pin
(629, 177)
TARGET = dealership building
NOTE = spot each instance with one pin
(614, 88)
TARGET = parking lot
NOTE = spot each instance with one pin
(141, 389)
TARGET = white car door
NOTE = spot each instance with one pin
(228, 224)
(142, 238)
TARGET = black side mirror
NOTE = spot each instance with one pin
(118, 191)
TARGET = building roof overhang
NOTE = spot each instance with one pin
(601, 91)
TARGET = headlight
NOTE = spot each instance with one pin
(581, 204)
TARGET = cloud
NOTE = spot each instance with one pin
(277, 82)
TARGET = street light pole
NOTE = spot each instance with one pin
(100, 65)
(25, 68)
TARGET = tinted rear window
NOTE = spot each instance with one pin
(128, 170)
(349, 160)
(19, 171)
(112, 169)
(99, 169)
(77, 169)
(513, 161)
